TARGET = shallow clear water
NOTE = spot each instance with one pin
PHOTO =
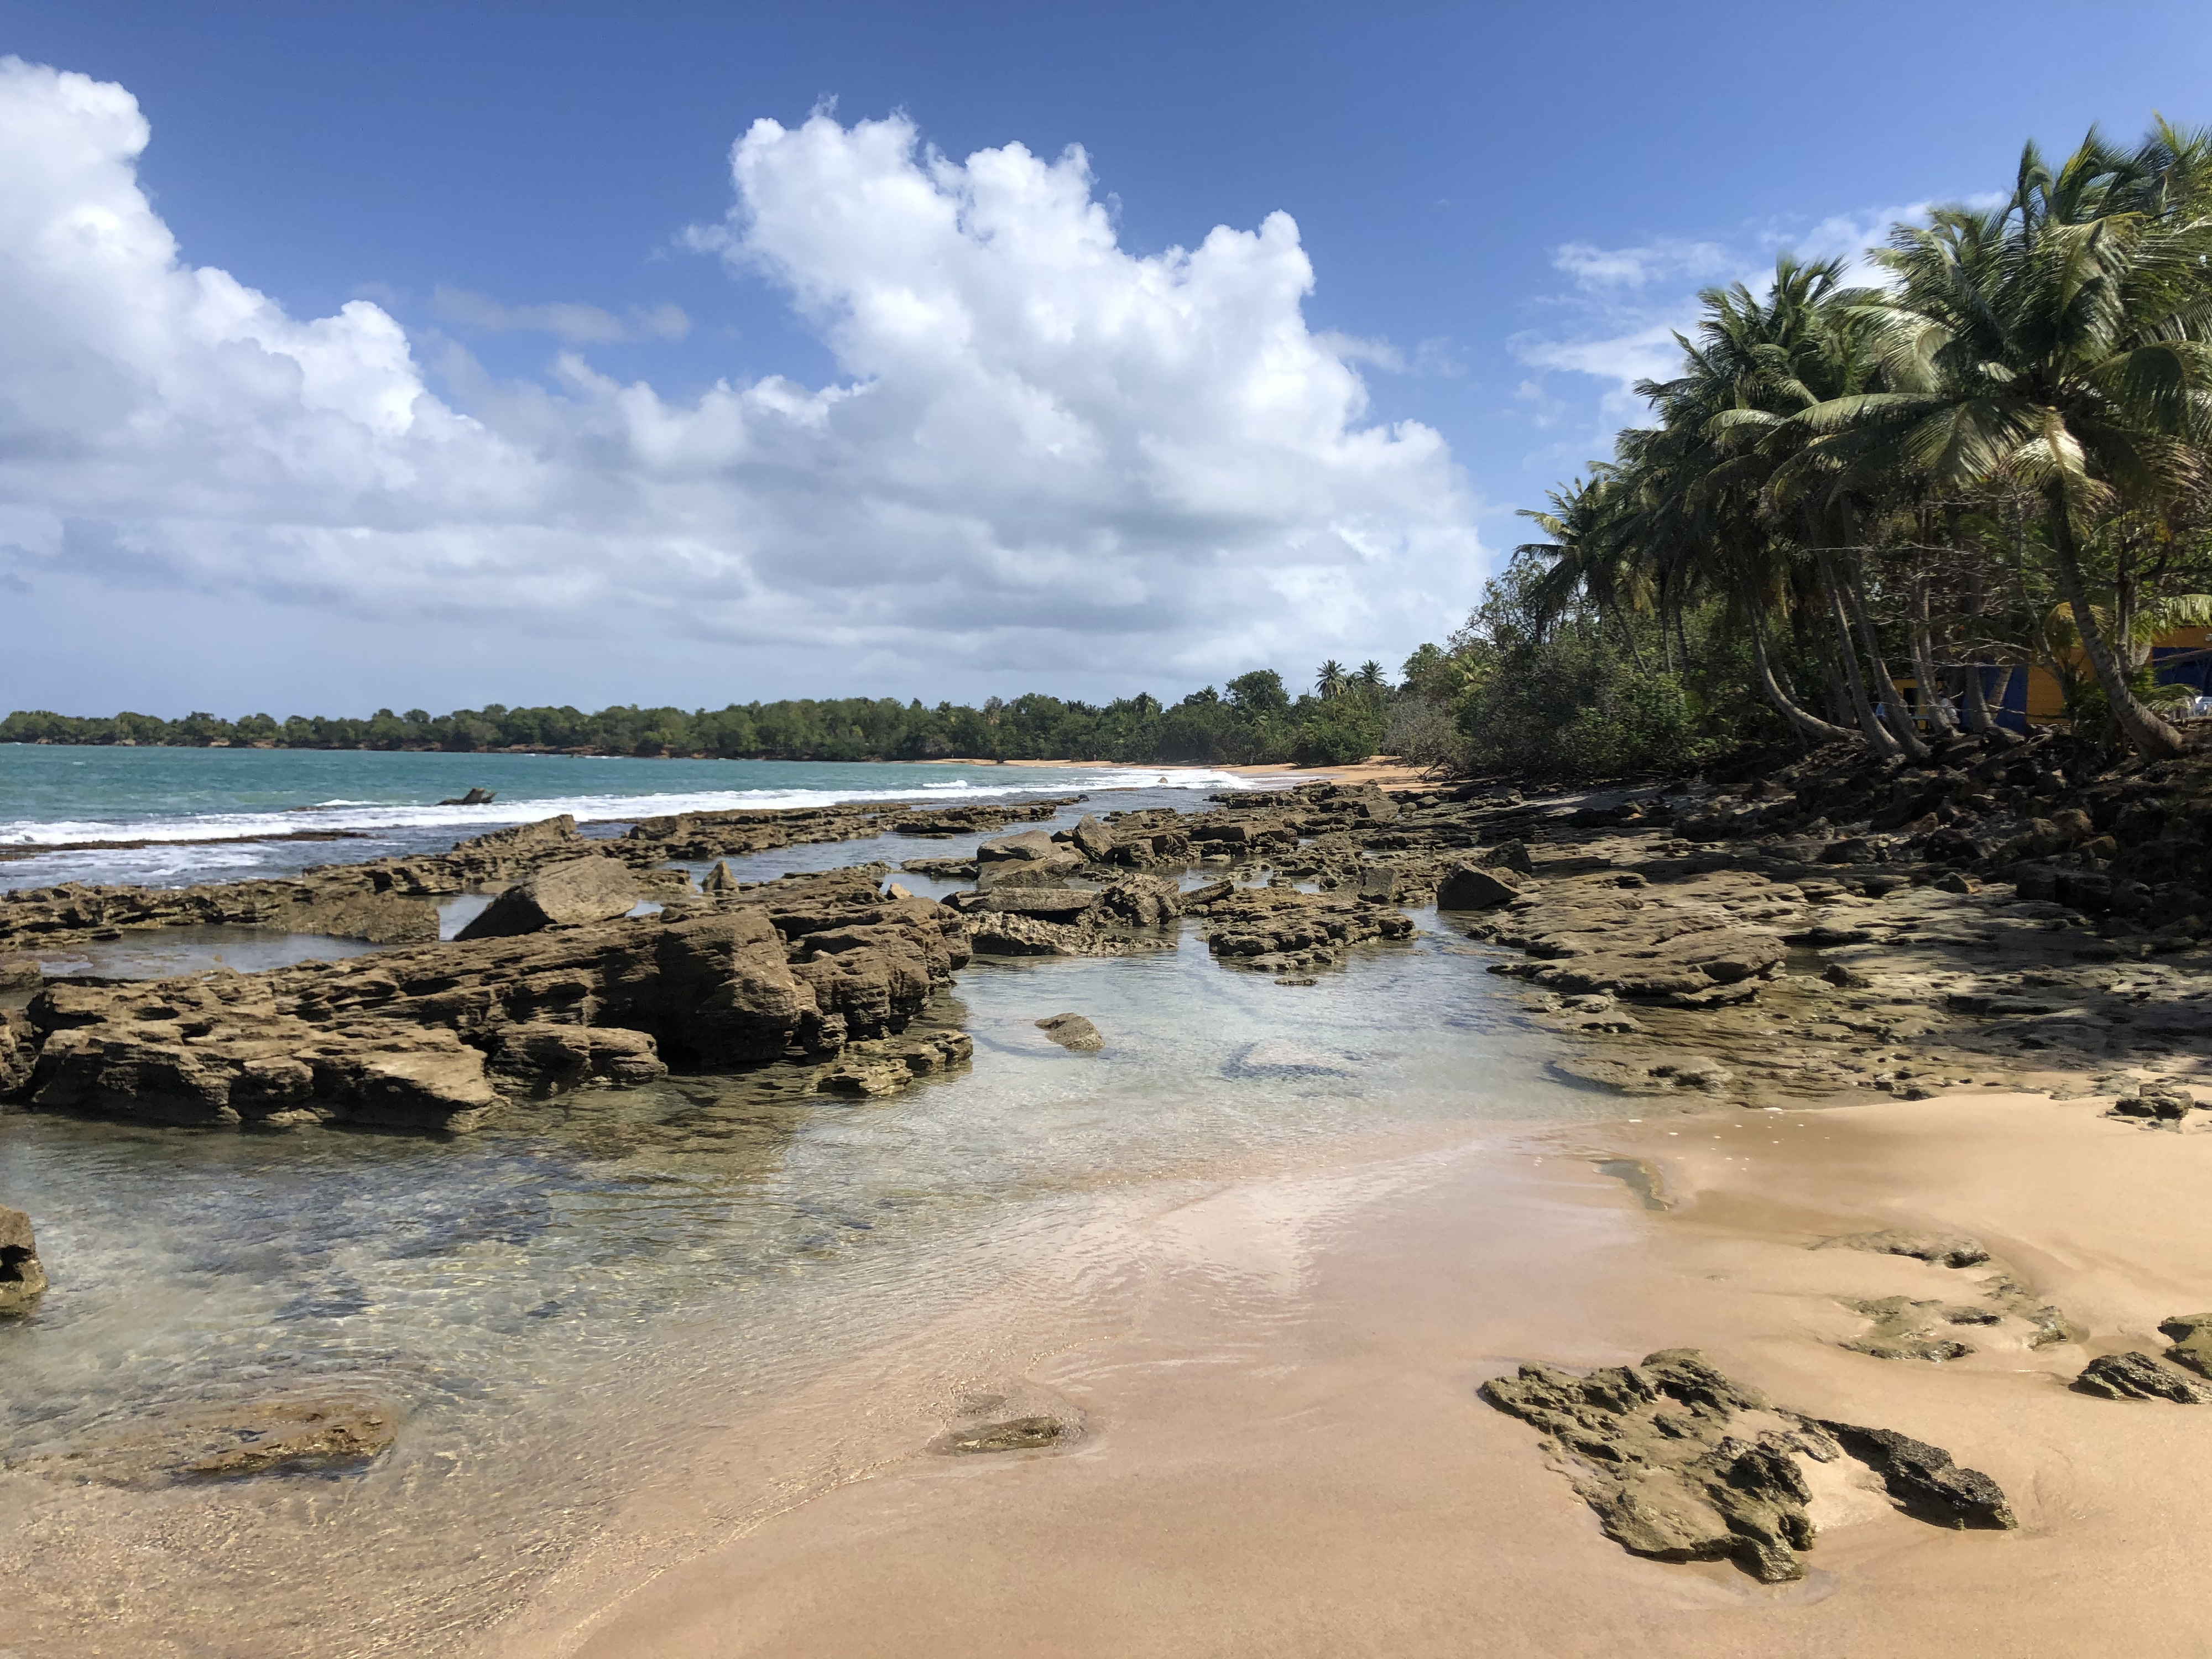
(557, 1306)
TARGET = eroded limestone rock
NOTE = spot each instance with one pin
(22, 1279)
(1683, 1464)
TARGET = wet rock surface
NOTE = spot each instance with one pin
(441, 1038)
(328, 1431)
(1072, 1031)
(1681, 1463)
(22, 1279)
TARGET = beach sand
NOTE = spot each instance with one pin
(1386, 771)
(1281, 1451)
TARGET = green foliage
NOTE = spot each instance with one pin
(1342, 730)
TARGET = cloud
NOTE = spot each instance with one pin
(1042, 460)
(1594, 267)
(579, 325)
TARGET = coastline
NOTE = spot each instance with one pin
(1282, 1451)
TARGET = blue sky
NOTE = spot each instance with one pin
(1504, 208)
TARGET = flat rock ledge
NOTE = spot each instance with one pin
(1680, 1463)
(442, 1038)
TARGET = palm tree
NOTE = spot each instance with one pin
(1329, 680)
(1371, 678)
(2058, 343)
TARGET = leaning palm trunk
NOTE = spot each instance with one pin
(1884, 741)
(1923, 667)
(1892, 699)
(1803, 719)
(2150, 735)
(1978, 718)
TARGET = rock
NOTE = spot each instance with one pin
(1939, 1249)
(2137, 1376)
(1028, 846)
(1924, 1479)
(538, 1060)
(474, 798)
(1092, 838)
(2191, 1335)
(1013, 934)
(719, 879)
(1029, 872)
(19, 1052)
(1852, 849)
(1512, 855)
(1017, 1434)
(305, 1433)
(1072, 1031)
(1904, 1329)
(564, 895)
(1845, 978)
(1275, 928)
(1655, 1455)
(1472, 887)
(1276, 1057)
(439, 1038)
(21, 1279)
(890, 1066)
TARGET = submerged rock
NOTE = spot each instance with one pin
(21, 1279)
(1072, 1031)
(323, 1432)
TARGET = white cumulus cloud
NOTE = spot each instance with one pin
(1043, 460)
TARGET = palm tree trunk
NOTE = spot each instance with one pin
(1884, 741)
(2151, 736)
(1893, 705)
(1978, 718)
(1803, 719)
(1923, 667)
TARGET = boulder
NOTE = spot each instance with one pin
(719, 879)
(1470, 886)
(1092, 838)
(21, 1278)
(1072, 1031)
(564, 895)
(1028, 845)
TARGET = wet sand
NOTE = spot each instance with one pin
(1281, 1451)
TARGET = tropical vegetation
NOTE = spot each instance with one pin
(1991, 452)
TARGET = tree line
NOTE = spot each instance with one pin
(1252, 720)
(1860, 508)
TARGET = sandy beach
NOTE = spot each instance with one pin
(1283, 1452)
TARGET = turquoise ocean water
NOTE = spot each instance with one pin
(54, 796)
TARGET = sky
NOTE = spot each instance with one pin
(431, 355)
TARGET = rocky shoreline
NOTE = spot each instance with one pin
(1800, 934)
